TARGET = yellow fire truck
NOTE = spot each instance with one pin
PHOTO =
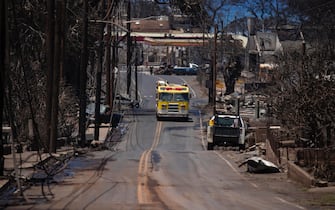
(172, 100)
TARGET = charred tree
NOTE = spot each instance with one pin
(231, 73)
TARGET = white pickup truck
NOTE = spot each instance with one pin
(226, 130)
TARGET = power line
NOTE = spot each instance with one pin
(319, 6)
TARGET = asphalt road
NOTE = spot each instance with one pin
(162, 165)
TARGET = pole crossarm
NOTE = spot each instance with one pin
(110, 22)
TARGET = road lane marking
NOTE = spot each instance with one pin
(201, 131)
(289, 203)
(143, 192)
(235, 170)
(231, 166)
(218, 154)
(142, 188)
(193, 92)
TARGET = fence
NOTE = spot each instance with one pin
(320, 161)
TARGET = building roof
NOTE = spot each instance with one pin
(150, 26)
(177, 38)
(265, 43)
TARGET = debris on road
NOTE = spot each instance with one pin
(259, 165)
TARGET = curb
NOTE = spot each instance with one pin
(297, 174)
(4, 184)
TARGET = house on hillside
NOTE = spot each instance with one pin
(263, 50)
(159, 24)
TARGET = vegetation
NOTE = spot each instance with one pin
(26, 90)
(303, 97)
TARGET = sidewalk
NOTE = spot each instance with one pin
(27, 160)
(103, 131)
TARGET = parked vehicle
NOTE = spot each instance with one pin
(226, 130)
(105, 115)
(186, 70)
(164, 69)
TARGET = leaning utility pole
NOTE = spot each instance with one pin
(3, 70)
(83, 78)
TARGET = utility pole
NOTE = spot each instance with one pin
(98, 76)
(62, 38)
(108, 58)
(114, 41)
(3, 70)
(303, 52)
(55, 80)
(222, 39)
(136, 61)
(83, 78)
(128, 49)
(214, 68)
(50, 66)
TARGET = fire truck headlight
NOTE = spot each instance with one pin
(164, 106)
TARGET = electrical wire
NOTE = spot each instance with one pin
(320, 6)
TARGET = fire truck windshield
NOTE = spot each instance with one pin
(174, 97)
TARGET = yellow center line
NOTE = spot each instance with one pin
(143, 193)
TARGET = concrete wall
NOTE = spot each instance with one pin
(270, 155)
(294, 172)
(297, 174)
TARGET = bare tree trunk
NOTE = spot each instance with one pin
(83, 79)
(50, 63)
